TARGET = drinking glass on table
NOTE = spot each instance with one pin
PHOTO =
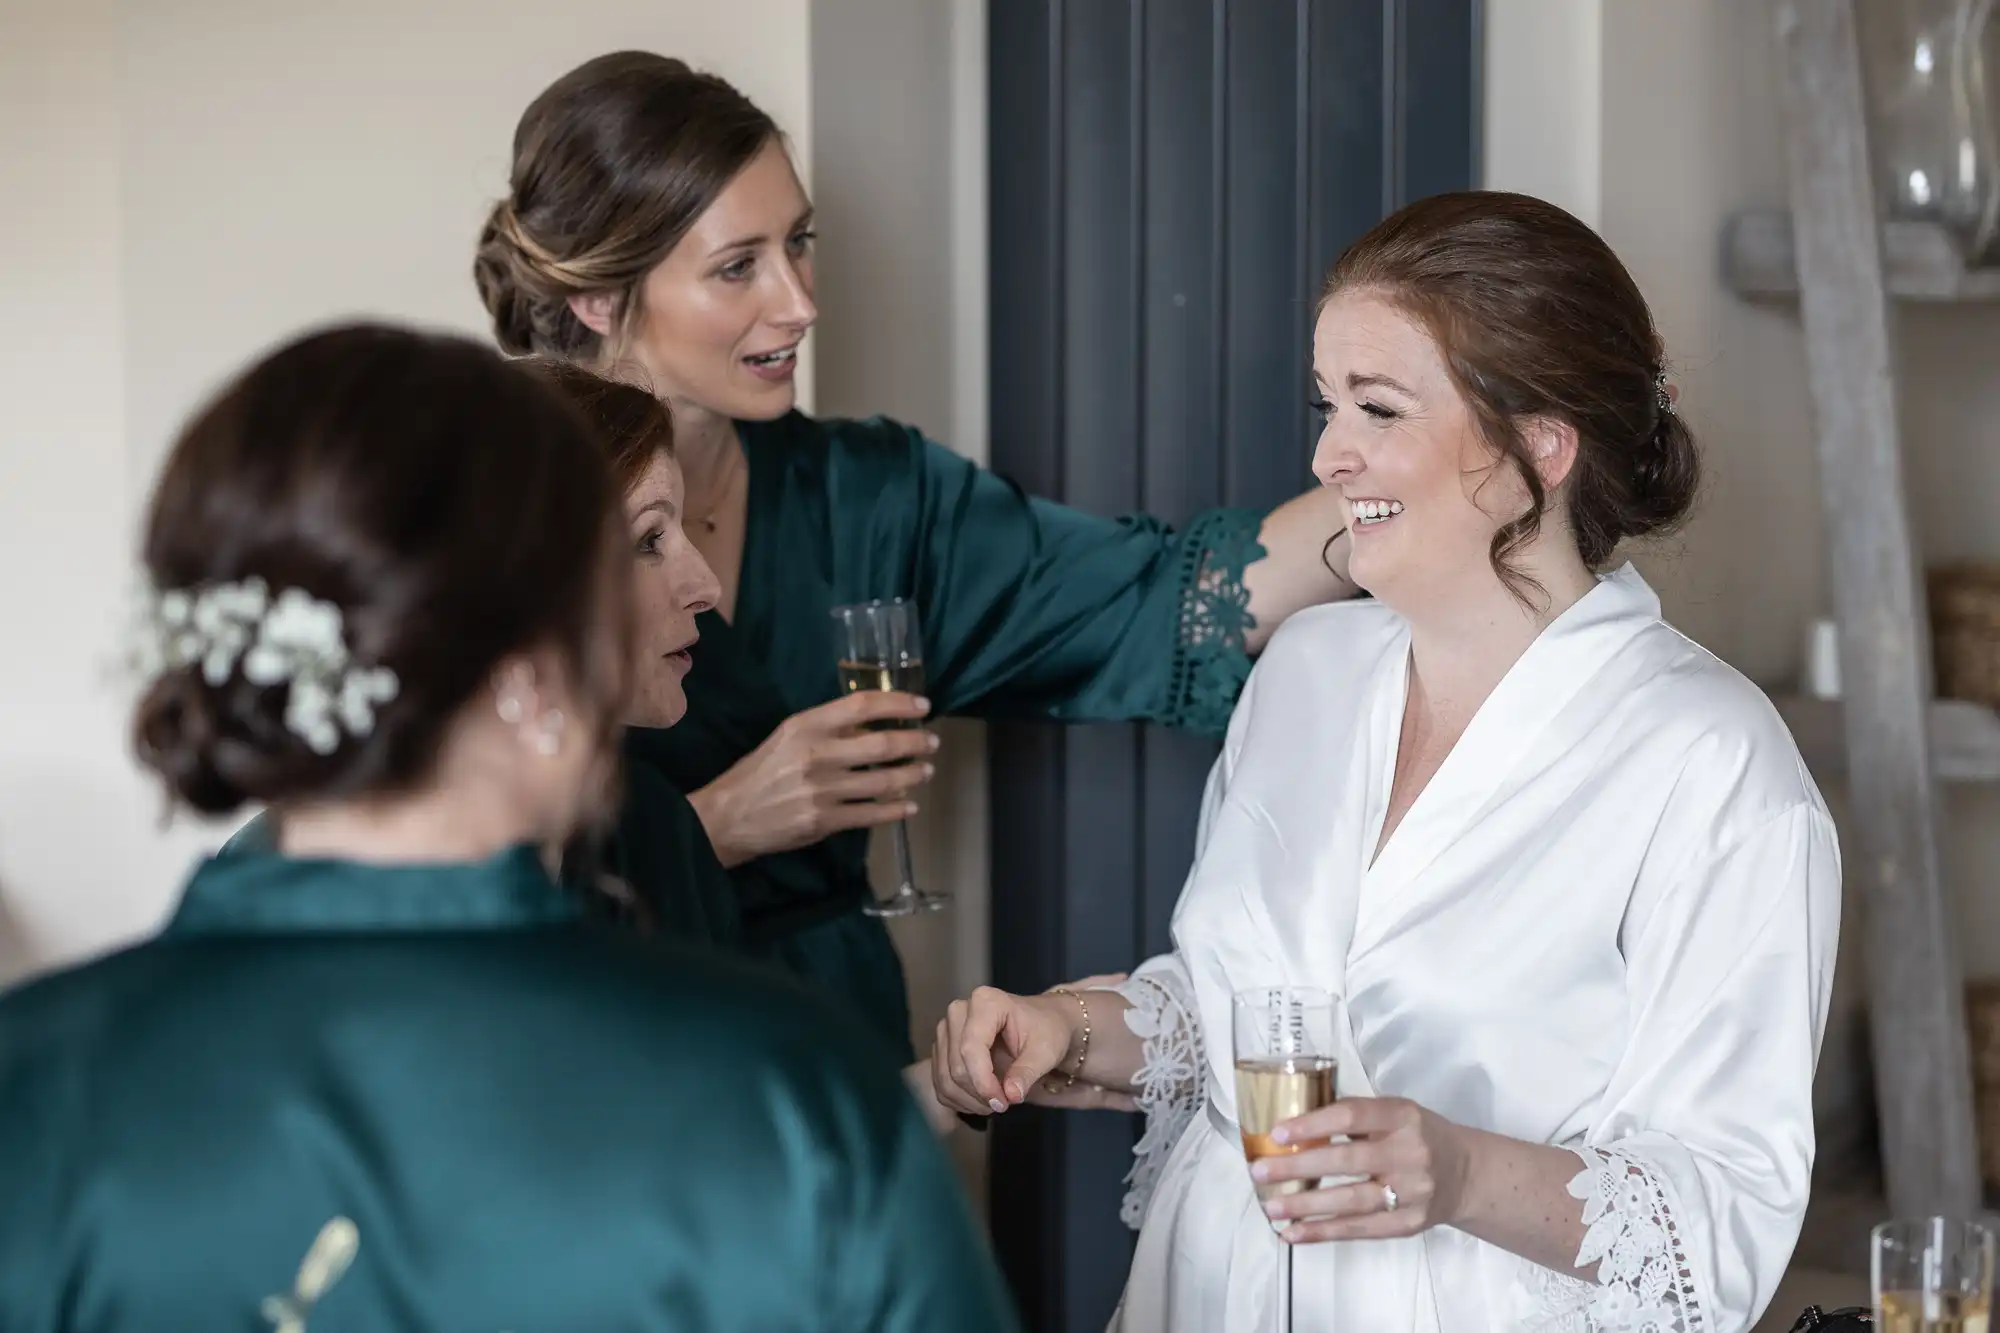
(1285, 1067)
(1932, 1276)
(881, 648)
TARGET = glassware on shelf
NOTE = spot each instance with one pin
(1932, 1276)
(1935, 133)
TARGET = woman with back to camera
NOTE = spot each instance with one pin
(654, 218)
(1565, 869)
(387, 1074)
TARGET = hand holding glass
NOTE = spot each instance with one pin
(881, 648)
(1285, 1067)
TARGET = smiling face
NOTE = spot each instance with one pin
(1425, 493)
(671, 585)
(722, 316)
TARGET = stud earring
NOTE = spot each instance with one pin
(511, 709)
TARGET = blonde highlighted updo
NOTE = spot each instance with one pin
(612, 164)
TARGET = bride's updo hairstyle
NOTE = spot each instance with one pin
(1536, 317)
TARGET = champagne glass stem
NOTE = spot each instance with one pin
(904, 899)
(1285, 1287)
(906, 873)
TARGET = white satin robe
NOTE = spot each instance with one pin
(1608, 923)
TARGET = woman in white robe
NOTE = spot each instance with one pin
(1564, 867)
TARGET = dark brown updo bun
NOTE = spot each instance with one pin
(632, 426)
(1536, 317)
(612, 164)
(452, 508)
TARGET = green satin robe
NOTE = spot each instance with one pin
(1028, 610)
(658, 854)
(433, 1098)
(661, 853)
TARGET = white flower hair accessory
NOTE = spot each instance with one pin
(294, 639)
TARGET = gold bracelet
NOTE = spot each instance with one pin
(1083, 1049)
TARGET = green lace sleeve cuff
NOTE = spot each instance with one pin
(1210, 660)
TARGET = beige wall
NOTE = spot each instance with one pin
(289, 164)
(185, 184)
(1543, 91)
(79, 862)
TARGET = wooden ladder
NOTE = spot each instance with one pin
(1833, 256)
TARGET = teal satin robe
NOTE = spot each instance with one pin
(658, 856)
(661, 853)
(433, 1098)
(1028, 610)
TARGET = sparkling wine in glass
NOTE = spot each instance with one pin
(881, 648)
(1932, 1276)
(1285, 1067)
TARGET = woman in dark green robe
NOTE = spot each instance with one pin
(389, 1074)
(655, 224)
(658, 857)
(1029, 610)
(529, 1123)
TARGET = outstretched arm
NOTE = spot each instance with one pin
(1304, 563)
(996, 1051)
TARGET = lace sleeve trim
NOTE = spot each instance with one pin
(1645, 1281)
(1210, 660)
(1168, 1081)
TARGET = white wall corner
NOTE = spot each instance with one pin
(1543, 83)
(969, 254)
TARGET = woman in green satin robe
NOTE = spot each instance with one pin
(658, 853)
(655, 222)
(388, 1074)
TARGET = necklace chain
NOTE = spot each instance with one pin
(705, 514)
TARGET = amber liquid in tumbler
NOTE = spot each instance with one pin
(1948, 1312)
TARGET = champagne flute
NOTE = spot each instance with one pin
(1285, 1067)
(1932, 1276)
(881, 648)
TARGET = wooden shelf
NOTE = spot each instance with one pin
(1965, 738)
(1922, 261)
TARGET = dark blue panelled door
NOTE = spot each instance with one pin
(1170, 179)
